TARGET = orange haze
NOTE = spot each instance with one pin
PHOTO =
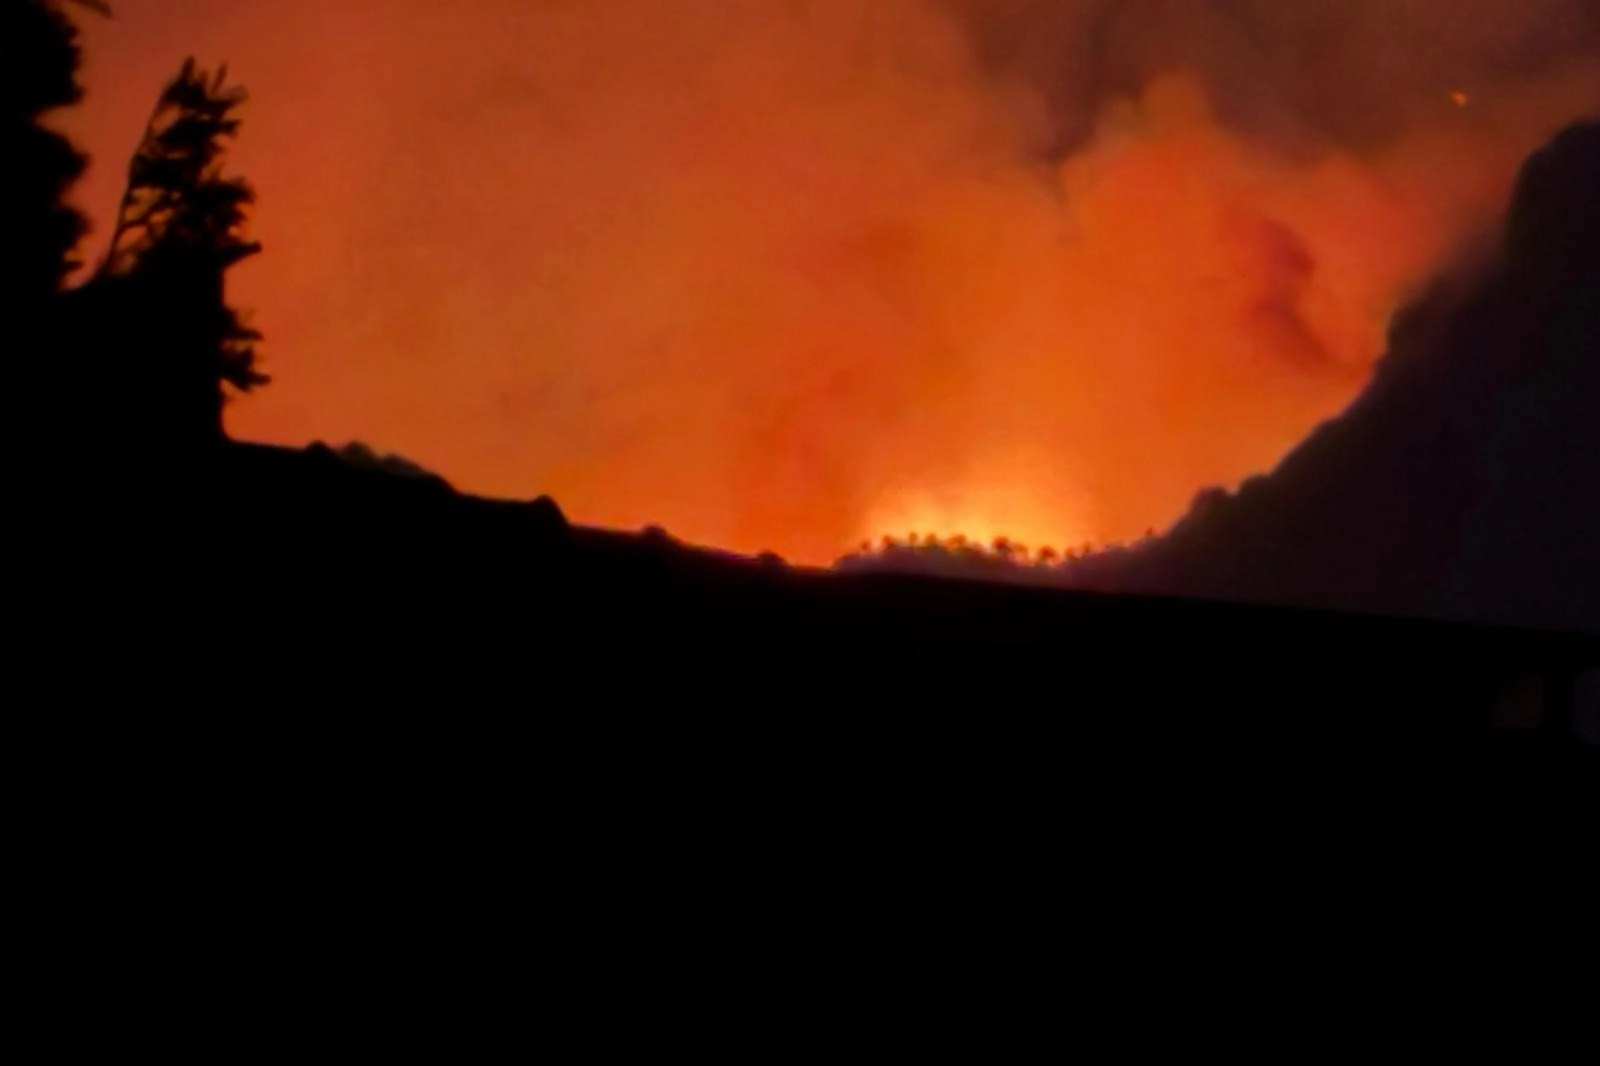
(790, 273)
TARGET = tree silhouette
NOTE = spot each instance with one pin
(39, 62)
(180, 215)
(160, 326)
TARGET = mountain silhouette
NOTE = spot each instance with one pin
(1463, 483)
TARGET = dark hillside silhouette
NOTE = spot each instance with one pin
(1464, 483)
(1460, 485)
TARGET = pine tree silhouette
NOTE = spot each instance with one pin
(177, 347)
(182, 215)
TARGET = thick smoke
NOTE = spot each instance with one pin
(787, 273)
(1356, 75)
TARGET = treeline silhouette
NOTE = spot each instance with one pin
(999, 559)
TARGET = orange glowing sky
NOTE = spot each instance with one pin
(790, 273)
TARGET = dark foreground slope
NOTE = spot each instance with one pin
(434, 762)
(374, 765)
(377, 597)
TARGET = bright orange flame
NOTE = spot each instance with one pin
(1024, 519)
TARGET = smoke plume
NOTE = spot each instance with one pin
(790, 273)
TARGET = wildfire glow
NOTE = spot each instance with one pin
(1026, 510)
(788, 275)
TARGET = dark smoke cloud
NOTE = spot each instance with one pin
(1357, 74)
